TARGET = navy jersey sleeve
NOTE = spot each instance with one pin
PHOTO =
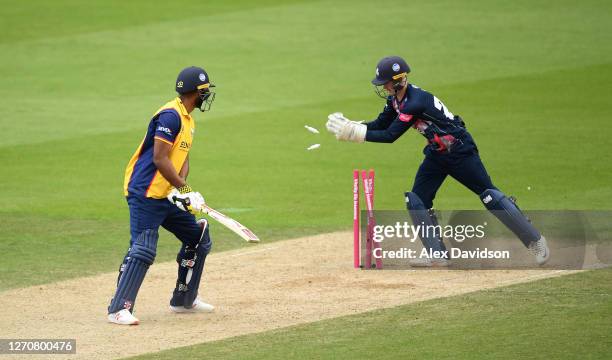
(392, 133)
(384, 119)
(167, 126)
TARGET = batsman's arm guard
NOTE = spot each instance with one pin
(506, 210)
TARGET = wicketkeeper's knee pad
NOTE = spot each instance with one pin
(414, 202)
(421, 216)
(506, 210)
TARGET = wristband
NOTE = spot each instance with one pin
(185, 189)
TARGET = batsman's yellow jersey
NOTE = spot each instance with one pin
(173, 125)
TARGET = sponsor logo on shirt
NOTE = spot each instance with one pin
(165, 130)
(405, 117)
(185, 145)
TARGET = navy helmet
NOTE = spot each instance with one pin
(195, 78)
(390, 68)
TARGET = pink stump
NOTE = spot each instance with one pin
(356, 243)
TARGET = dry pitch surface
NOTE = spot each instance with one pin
(256, 289)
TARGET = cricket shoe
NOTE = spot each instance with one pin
(123, 317)
(427, 262)
(198, 306)
(540, 250)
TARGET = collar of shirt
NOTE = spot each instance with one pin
(397, 104)
(182, 108)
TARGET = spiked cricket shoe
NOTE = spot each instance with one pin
(198, 306)
(540, 250)
(123, 317)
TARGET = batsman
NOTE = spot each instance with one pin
(450, 151)
(157, 194)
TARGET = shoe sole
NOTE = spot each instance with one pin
(182, 310)
(120, 323)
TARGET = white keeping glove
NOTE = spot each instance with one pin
(345, 129)
(186, 199)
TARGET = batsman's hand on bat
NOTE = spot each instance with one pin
(345, 129)
(186, 199)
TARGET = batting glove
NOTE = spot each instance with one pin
(345, 129)
(186, 199)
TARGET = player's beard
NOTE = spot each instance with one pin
(198, 102)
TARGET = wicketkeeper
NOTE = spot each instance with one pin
(157, 194)
(450, 150)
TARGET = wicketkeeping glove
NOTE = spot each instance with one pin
(345, 129)
(186, 199)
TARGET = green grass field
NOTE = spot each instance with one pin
(80, 81)
(558, 318)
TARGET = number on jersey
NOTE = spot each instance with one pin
(440, 106)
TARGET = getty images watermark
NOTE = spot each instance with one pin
(412, 233)
(474, 239)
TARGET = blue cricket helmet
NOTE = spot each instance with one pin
(390, 68)
(195, 78)
(192, 78)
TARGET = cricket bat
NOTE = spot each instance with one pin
(231, 224)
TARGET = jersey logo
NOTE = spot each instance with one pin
(185, 145)
(405, 117)
(164, 130)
